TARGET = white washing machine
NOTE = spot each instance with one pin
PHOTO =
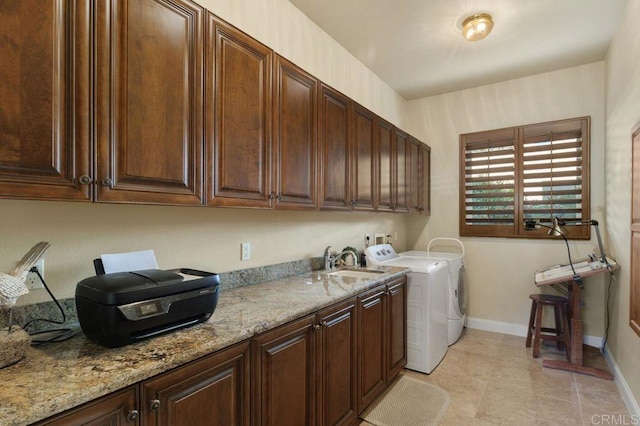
(458, 285)
(427, 322)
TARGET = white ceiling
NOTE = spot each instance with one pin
(416, 47)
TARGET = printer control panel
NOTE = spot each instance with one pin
(160, 306)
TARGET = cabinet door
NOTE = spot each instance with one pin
(385, 134)
(401, 202)
(295, 124)
(371, 346)
(44, 99)
(397, 327)
(337, 364)
(363, 177)
(414, 156)
(425, 181)
(238, 118)
(211, 391)
(284, 375)
(334, 150)
(149, 101)
(118, 408)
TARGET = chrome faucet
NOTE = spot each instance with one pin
(331, 258)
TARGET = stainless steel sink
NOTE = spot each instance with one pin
(357, 273)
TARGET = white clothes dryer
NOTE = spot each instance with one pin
(427, 322)
(458, 285)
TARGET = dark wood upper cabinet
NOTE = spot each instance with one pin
(295, 123)
(414, 156)
(334, 152)
(425, 181)
(214, 390)
(238, 118)
(148, 124)
(44, 99)
(385, 158)
(161, 102)
(401, 174)
(363, 165)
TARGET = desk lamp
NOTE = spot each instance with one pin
(555, 229)
(558, 228)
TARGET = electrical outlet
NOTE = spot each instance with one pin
(33, 281)
(246, 251)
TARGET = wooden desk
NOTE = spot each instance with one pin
(564, 274)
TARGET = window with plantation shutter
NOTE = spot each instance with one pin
(489, 182)
(537, 172)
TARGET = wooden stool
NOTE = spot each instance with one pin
(560, 333)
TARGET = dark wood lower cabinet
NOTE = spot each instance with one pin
(322, 369)
(337, 364)
(211, 391)
(284, 374)
(396, 324)
(382, 338)
(372, 366)
(118, 408)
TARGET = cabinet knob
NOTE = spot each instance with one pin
(85, 180)
(272, 196)
(107, 182)
(132, 416)
(279, 197)
(316, 327)
(154, 405)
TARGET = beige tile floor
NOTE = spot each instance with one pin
(492, 379)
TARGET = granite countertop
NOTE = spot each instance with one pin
(58, 376)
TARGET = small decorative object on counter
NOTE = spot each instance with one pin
(346, 258)
(14, 341)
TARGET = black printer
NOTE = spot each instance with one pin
(124, 307)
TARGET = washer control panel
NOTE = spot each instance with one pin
(380, 253)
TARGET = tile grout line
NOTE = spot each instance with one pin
(578, 393)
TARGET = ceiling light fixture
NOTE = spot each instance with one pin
(476, 27)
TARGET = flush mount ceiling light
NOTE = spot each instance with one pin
(476, 27)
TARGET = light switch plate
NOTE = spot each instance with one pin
(246, 251)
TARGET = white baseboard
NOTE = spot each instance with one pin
(518, 330)
(521, 330)
(497, 326)
(623, 386)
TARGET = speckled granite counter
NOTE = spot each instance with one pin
(56, 377)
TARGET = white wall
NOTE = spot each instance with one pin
(501, 270)
(209, 238)
(195, 237)
(622, 114)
